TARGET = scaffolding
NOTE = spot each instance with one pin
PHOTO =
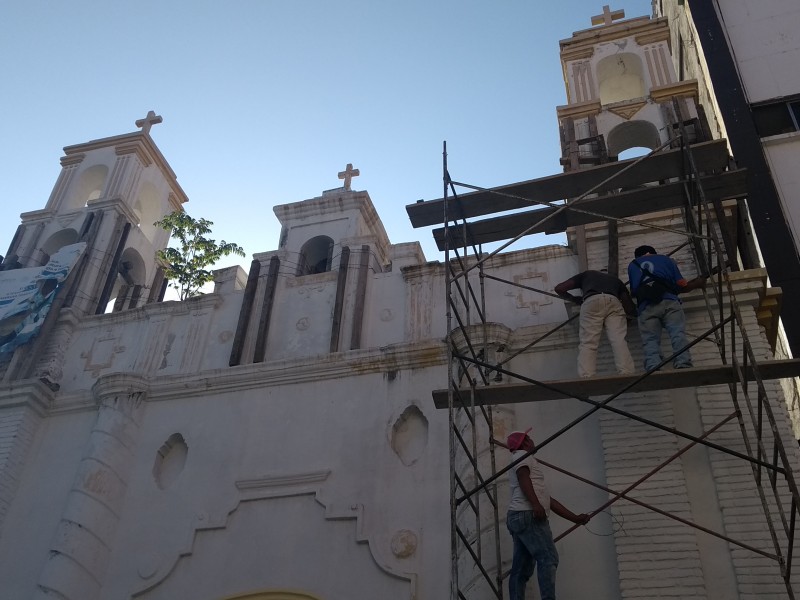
(685, 173)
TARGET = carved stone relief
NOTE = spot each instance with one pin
(409, 435)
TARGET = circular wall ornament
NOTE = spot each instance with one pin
(302, 324)
(404, 543)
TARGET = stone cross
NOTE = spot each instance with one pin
(348, 175)
(608, 16)
(150, 120)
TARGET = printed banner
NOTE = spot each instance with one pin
(27, 294)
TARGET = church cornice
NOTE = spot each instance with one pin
(584, 40)
(663, 35)
(117, 205)
(74, 159)
(241, 378)
(681, 89)
(30, 393)
(579, 110)
(33, 216)
(136, 149)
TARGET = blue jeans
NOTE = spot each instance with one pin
(533, 547)
(667, 314)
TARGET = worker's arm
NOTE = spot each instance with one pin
(562, 288)
(627, 302)
(693, 284)
(525, 484)
(565, 513)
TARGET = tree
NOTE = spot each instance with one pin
(187, 263)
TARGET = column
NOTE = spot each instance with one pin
(80, 551)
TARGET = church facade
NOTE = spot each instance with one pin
(276, 439)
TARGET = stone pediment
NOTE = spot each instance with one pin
(628, 110)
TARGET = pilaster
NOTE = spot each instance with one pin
(80, 551)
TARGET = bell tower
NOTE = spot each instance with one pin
(622, 93)
(109, 193)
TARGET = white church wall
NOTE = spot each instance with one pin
(302, 315)
(50, 466)
(229, 504)
(385, 313)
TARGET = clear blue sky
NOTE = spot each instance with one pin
(264, 102)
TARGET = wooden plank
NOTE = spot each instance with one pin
(731, 184)
(513, 393)
(709, 156)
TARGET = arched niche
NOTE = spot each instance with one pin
(632, 134)
(129, 287)
(89, 186)
(316, 256)
(620, 77)
(170, 461)
(147, 209)
(55, 242)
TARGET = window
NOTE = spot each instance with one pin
(315, 256)
(777, 117)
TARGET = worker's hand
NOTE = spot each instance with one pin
(581, 519)
(539, 513)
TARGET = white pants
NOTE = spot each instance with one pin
(595, 311)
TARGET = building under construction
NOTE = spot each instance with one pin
(691, 474)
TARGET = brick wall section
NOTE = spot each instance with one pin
(744, 519)
(17, 427)
(657, 557)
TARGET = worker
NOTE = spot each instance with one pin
(528, 510)
(656, 282)
(605, 301)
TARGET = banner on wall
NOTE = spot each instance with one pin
(26, 296)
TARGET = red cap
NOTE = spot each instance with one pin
(515, 439)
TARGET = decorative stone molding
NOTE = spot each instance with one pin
(75, 159)
(136, 149)
(653, 37)
(681, 89)
(264, 489)
(492, 334)
(579, 53)
(628, 109)
(579, 111)
(598, 35)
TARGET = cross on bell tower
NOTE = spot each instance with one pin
(608, 16)
(348, 175)
(151, 119)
